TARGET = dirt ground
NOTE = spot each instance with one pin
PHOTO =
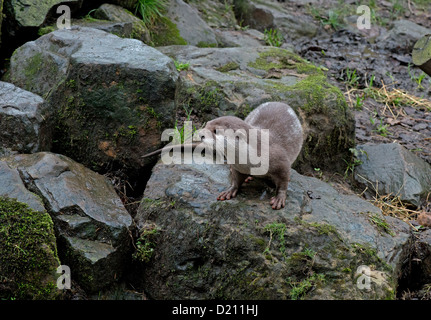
(379, 80)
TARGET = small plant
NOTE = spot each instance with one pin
(416, 78)
(301, 288)
(381, 224)
(419, 80)
(370, 84)
(88, 16)
(184, 135)
(273, 37)
(359, 102)
(150, 10)
(354, 161)
(181, 66)
(382, 129)
(276, 229)
(318, 172)
(352, 78)
(333, 19)
(145, 245)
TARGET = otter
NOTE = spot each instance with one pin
(281, 147)
(285, 143)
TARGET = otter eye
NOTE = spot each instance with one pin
(214, 131)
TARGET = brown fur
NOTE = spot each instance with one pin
(285, 143)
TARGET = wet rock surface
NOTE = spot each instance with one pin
(22, 119)
(242, 249)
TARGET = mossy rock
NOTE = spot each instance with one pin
(243, 249)
(166, 33)
(234, 81)
(28, 253)
(109, 97)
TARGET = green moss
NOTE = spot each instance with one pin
(277, 230)
(369, 257)
(33, 65)
(381, 224)
(316, 91)
(299, 289)
(145, 245)
(165, 33)
(276, 58)
(45, 30)
(228, 67)
(321, 228)
(28, 252)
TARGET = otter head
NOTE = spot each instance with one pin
(228, 136)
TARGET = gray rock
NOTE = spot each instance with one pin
(242, 249)
(91, 223)
(231, 38)
(217, 14)
(262, 15)
(111, 96)
(121, 29)
(191, 26)
(118, 14)
(22, 114)
(13, 187)
(392, 169)
(30, 13)
(404, 34)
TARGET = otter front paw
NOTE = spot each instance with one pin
(278, 202)
(228, 194)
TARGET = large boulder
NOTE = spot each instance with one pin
(234, 81)
(391, 169)
(91, 223)
(111, 97)
(322, 245)
(22, 121)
